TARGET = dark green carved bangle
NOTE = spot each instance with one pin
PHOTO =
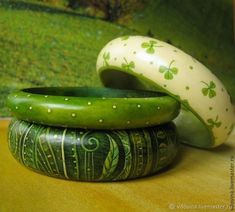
(93, 108)
(88, 155)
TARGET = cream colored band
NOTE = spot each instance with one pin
(207, 108)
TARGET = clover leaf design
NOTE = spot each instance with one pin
(106, 57)
(128, 66)
(214, 123)
(169, 71)
(150, 46)
(209, 90)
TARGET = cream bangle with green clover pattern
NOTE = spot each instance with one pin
(207, 114)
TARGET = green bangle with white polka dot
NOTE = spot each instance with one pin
(207, 115)
(92, 108)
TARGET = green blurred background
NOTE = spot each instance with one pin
(56, 42)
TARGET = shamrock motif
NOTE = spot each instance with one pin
(128, 66)
(150, 46)
(168, 71)
(209, 89)
(214, 123)
(106, 57)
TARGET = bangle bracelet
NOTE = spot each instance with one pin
(92, 108)
(207, 115)
(92, 155)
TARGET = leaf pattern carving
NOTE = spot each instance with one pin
(111, 160)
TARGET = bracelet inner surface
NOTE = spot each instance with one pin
(92, 92)
(191, 128)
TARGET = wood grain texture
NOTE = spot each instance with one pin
(200, 177)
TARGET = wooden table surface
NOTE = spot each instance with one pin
(198, 179)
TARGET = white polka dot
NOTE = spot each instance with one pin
(30, 108)
(114, 106)
(89, 103)
(49, 110)
(101, 120)
(73, 114)
(66, 99)
(138, 106)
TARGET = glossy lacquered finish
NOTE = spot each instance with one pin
(93, 155)
(207, 115)
(92, 108)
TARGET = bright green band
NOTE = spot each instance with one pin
(207, 115)
(93, 155)
(92, 108)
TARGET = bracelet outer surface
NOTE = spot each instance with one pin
(143, 62)
(127, 109)
(93, 155)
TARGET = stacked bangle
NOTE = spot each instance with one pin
(207, 115)
(93, 108)
(92, 155)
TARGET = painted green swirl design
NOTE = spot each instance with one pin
(92, 155)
